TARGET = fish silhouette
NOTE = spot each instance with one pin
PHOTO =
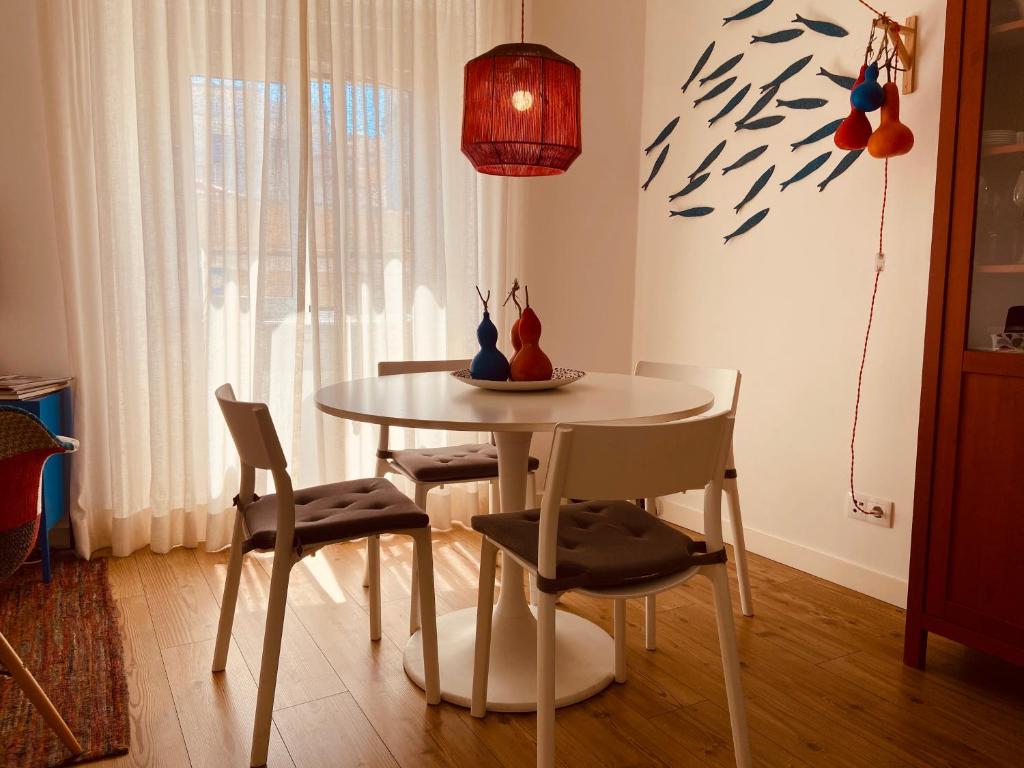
(692, 212)
(694, 184)
(657, 166)
(712, 156)
(760, 104)
(748, 225)
(841, 80)
(665, 132)
(756, 187)
(746, 13)
(788, 72)
(826, 130)
(783, 36)
(699, 65)
(848, 159)
(801, 103)
(761, 122)
(807, 170)
(821, 27)
(730, 105)
(721, 88)
(722, 68)
(746, 158)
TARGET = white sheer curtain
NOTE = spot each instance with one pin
(265, 192)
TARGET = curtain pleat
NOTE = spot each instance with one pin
(263, 192)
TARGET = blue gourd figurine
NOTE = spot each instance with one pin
(489, 362)
(868, 96)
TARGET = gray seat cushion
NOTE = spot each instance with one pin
(600, 544)
(446, 465)
(347, 510)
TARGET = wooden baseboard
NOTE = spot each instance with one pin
(846, 573)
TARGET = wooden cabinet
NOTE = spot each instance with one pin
(967, 559)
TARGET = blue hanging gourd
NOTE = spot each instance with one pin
(868, 96)
(489, 363)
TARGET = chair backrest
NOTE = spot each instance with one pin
(252, 430)
(25, 445)
(616, 461)
(420, 366)
(723, 383)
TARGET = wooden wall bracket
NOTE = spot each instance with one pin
(904, 39)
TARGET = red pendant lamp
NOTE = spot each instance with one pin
(521, 110)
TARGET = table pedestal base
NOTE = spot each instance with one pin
(584, 661)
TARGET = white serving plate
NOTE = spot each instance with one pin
(559, 378)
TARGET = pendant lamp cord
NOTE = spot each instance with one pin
(879, 266)
(522, 21)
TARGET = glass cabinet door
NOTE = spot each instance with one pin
(997, 285)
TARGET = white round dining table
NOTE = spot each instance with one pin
(584, 651)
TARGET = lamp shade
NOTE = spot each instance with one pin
(521, 111)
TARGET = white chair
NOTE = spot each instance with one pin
(296, 523)
(428, 468)
(614, 549)
(724, 384)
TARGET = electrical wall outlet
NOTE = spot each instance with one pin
(876, 511)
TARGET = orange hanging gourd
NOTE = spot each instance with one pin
(892, 138)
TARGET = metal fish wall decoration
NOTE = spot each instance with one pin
(757, 187)
(761, 122)
(826, 130)
(699, 65)
(746, 158)
(730, 105)
(783, 36)
(748, 225)
(841, 80)
(758, 106)
(696, 183)
(719, 89)
(801, 103)
(788, 72)
(746, 13)
(807, 170)
(657, 166)
(722, 68)
(692, 212)
(848, 159)
(712, 156)
(665, 132)
(821, 27)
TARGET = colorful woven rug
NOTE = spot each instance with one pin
(66, 633)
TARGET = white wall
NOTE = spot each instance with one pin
(578, 231)
(787, 303)
(33, 336)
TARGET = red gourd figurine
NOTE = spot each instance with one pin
(517, 343)
(855, 130)
(530, 363)
(892, 138)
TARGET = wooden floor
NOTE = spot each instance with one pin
(821, 671)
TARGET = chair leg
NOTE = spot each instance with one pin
(493, 498)
(10, 661)
(423, 557)
(283, 561)
(731, 664)
(619, 634)
(534, 592)
(651, 622)
(739, 547)
(414, 597)
(546, 681)
(229, 599)
(366, 565)
(373, 563)
(484, 616)
(531, 490)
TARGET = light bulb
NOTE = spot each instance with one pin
(522, 100)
